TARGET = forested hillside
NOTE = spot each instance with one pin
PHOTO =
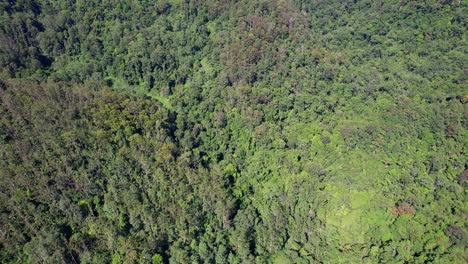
(250, 131)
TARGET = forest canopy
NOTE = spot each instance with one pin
(279, 131)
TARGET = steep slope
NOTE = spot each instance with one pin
(233, 131)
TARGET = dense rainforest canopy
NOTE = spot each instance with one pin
(250, 131)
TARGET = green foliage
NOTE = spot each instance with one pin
(233, 131)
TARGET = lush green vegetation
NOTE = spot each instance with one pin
(274, 131)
